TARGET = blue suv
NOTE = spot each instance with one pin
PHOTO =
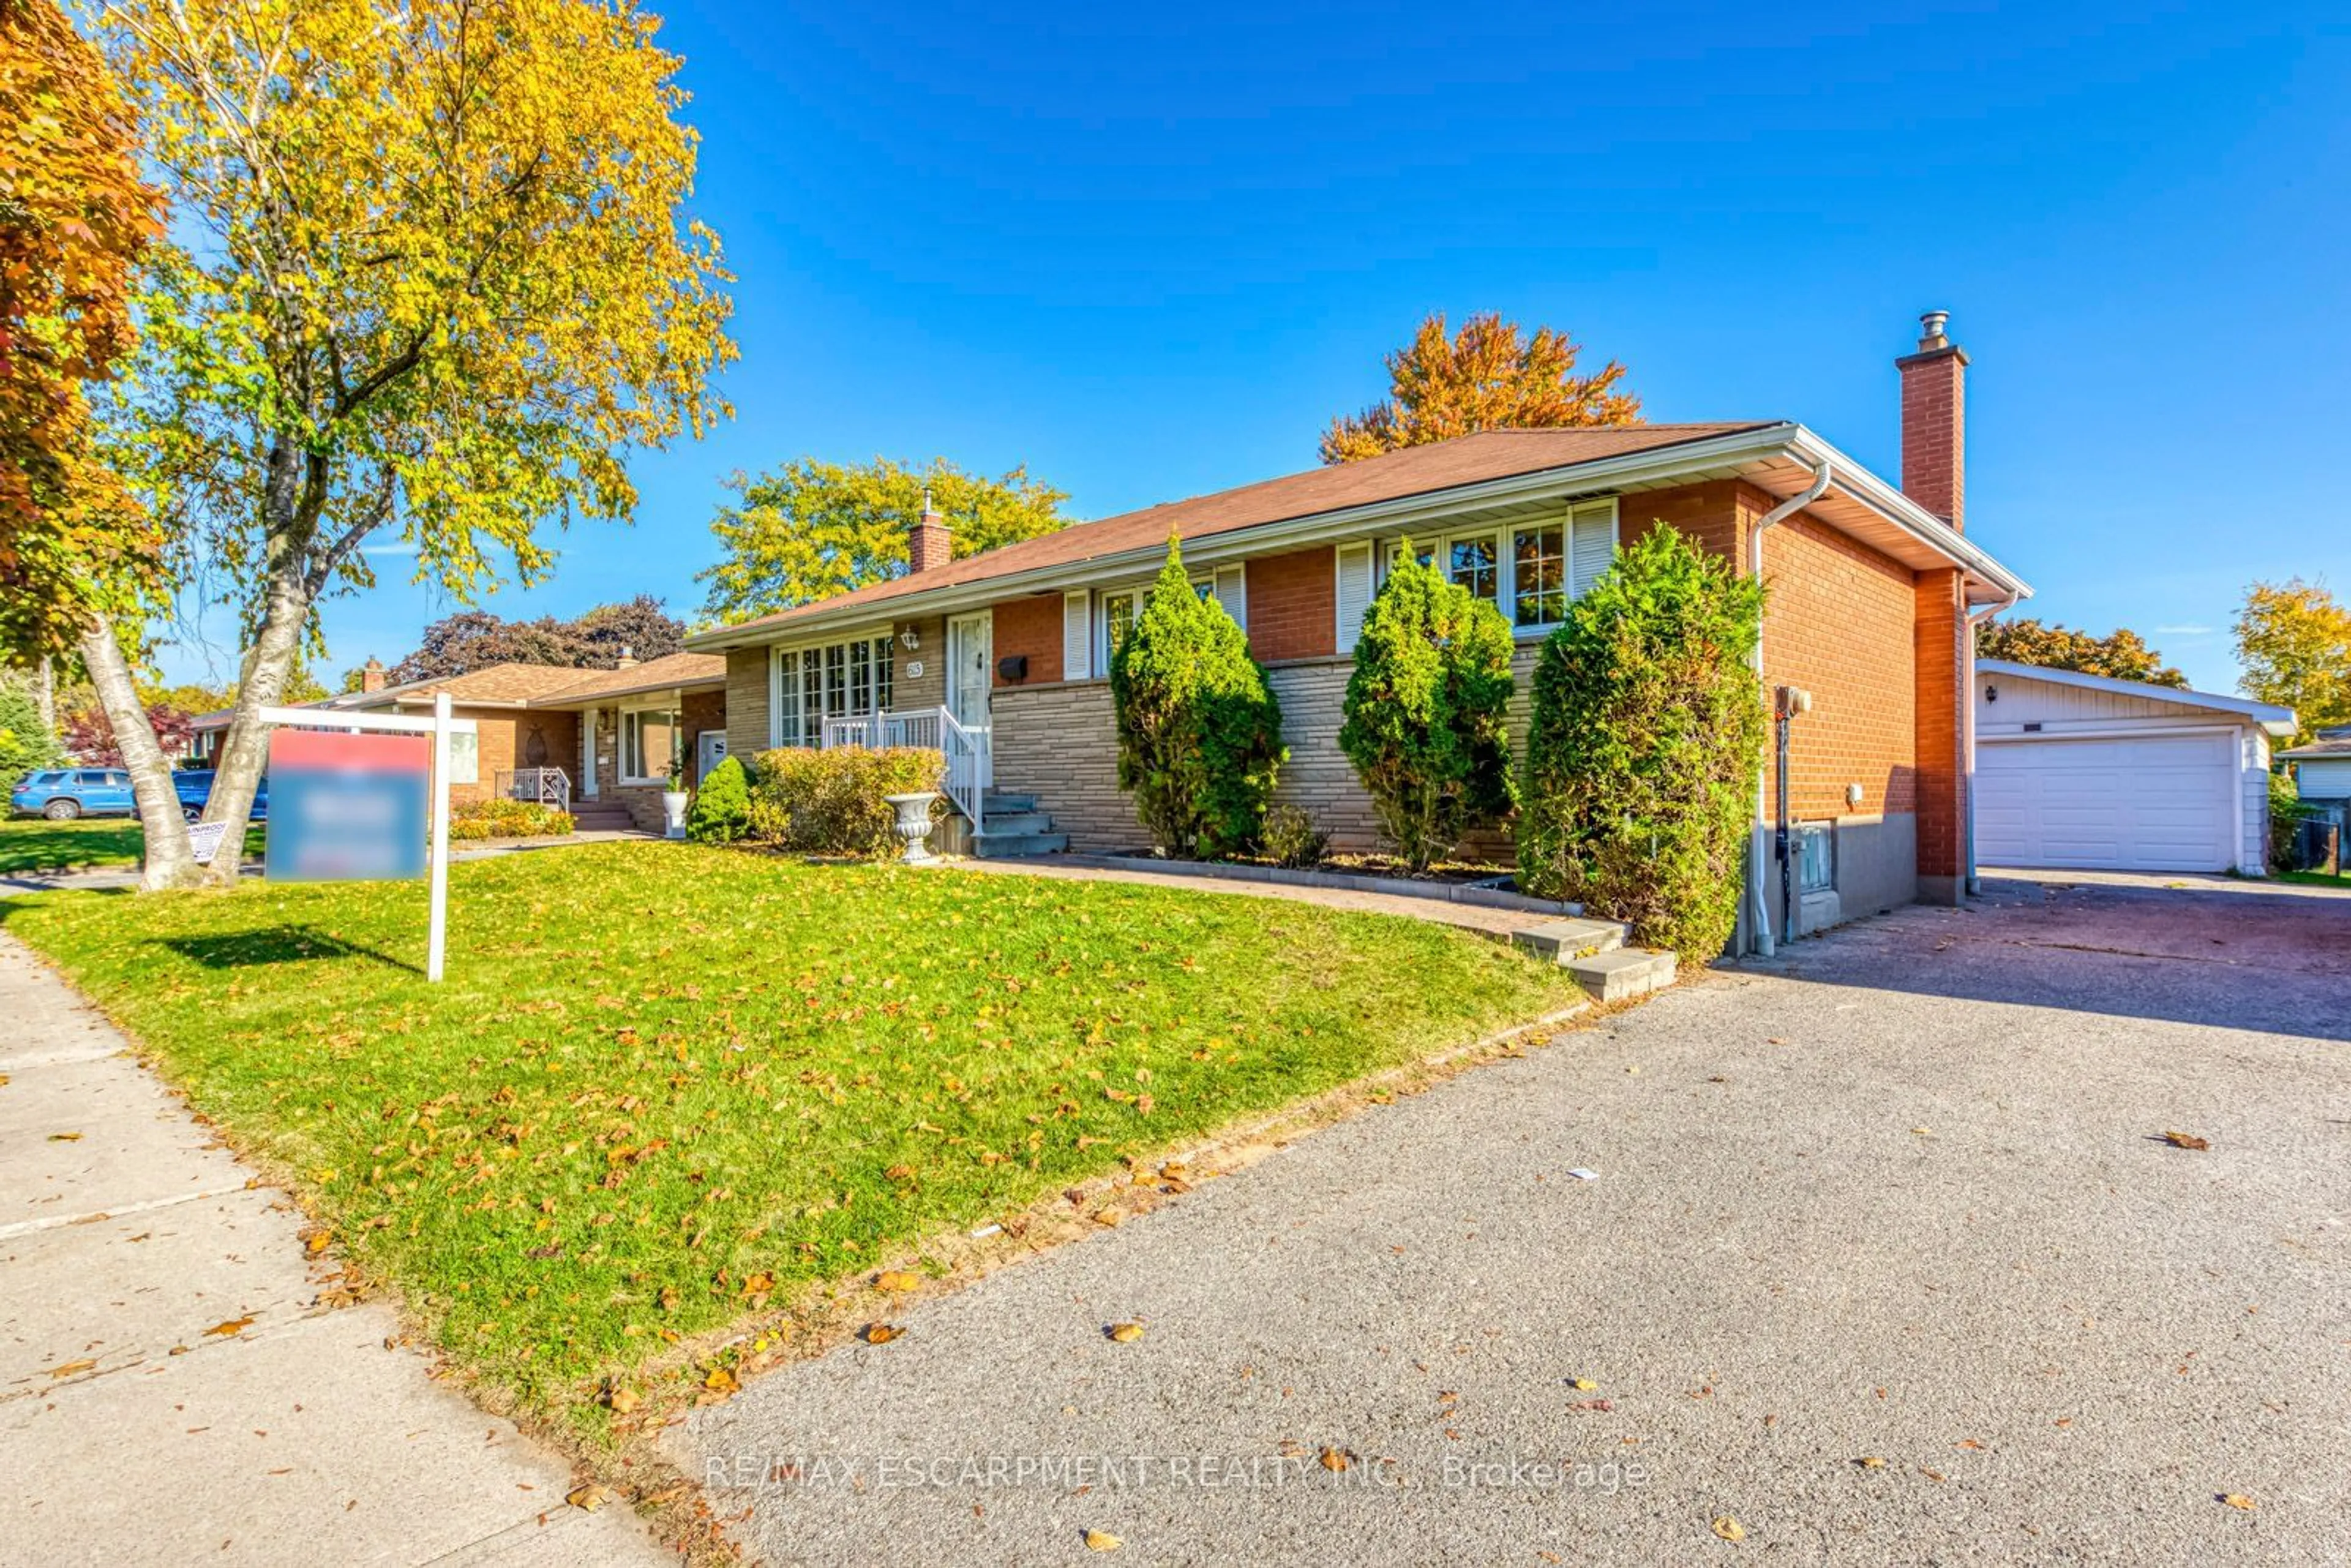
(195, 786)
(61, 794)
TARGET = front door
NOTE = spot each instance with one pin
(971, 659)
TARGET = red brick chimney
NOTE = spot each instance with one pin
(928, 542)
(372, 675)
(1934, 421)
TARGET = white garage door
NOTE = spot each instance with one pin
(2162, 803)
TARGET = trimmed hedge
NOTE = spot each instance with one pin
(831, 803)
(1641, 760)
(503, 819)
(1199, 731)
(1424, 712)
(722, 807)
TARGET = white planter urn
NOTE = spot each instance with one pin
(914, 824)
(673, 813)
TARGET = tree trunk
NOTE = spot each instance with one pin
(45, 693)
(168, 862)
(285, 609)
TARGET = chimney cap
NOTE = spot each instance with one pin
(626, 660)
(1931, 333)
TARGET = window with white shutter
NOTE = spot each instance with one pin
(1593, 546)
(1232, 592)
(1353, 564)
(1077, 635)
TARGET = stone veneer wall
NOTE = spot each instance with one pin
(1059, 743)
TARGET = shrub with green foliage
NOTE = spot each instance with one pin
(1647, 731)
(2286, 813)
(722, 807)
(1199, 732)
(26, 743)
(1425, 711)
(831, 803)
(498, 818)
(1290, 838)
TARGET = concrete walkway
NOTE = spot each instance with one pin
(1470, 917)
(172, 1388)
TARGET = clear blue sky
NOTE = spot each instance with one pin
(1150, 252)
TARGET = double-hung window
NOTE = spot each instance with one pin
(852, 679)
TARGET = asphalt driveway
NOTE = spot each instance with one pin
(1884, 1261)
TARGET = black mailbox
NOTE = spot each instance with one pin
(1013, 666)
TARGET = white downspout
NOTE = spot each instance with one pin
(1758, 861)
(1974, 884)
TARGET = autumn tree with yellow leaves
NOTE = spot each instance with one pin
(440, 284)
(1491, 375)
(2294, 639)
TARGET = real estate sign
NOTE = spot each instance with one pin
(347, 807)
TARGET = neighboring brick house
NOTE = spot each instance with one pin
(1872, 591)
(531, 719)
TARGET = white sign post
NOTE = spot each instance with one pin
(440, 726)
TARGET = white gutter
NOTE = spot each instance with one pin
(1758, 864)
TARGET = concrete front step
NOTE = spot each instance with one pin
(1564, 941)
(994, 821)
(1007, 802)
(993, 845)
(1622, 973)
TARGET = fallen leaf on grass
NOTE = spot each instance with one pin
(1730, 1529)
(2237, 1499)
(587, 1499)
(1103, 1541)
(621, 1399)
(317, 1242)
(232, 1328)
(897, 1280)
(879, 1333)
(1125, 1333)
(2185, 1140)
(70, 1367)
(1108, 1216)
(721, 1381)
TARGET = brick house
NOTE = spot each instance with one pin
(610, 735)
(1000, 658)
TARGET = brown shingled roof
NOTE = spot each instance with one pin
(513, 683)
(669, 670)
(1415, 470)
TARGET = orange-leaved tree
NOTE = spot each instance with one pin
(1491, 375)
(74, 215)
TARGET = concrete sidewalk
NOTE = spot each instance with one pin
(138, 1423)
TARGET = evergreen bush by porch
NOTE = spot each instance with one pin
(722, 807)
(830, 802)
(1425, 711)
(1199, 732)
(1647, 731)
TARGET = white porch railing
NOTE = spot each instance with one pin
(931, 730)
(546, 786)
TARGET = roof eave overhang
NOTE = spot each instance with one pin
(575, 701)
(1989, 580)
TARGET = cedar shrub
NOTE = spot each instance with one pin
(1199, 732)
(1426, 709)
(1647, 731)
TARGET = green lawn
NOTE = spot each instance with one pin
(2316, 879)
(662, 1081)
(33, 844)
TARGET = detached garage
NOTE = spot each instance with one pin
(2082, 772)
